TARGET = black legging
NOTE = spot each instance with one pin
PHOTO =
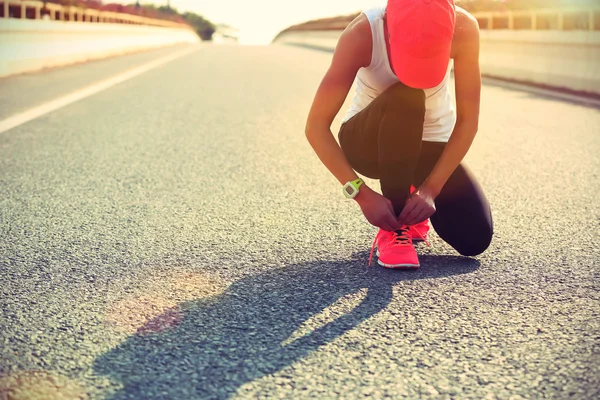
(385, 141)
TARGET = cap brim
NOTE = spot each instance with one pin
(421, 73)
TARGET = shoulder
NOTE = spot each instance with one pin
(356, 42)
(466, 33)
(465, 22)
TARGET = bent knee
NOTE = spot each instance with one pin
(476, 245)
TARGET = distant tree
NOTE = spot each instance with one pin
(204, 28)
(168, 10)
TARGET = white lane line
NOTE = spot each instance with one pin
(33, 113)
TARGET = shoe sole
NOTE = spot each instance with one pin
(396, 266)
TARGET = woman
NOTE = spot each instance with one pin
(402, 127)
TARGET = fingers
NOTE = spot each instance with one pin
(384, 225)
(380, 213)
(417, 213)
(423, 216)
(408, 211)
(387, 222)
(410, 219)
(390, 207)
(393, 222)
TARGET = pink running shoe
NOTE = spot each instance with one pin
(395, 249)
(419, 231)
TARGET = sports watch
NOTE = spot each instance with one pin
(352, 188)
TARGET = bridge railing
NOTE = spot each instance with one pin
(563, 19)
(29, 9)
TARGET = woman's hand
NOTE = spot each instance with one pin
(377, 209)
(419, 206)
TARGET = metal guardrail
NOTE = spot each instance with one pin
(542, 19)
(57, 12)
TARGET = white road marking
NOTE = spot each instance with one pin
(33, 113)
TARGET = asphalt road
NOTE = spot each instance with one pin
(175, 237)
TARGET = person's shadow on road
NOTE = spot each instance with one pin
(243, 334)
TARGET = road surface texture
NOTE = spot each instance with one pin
(175, 237)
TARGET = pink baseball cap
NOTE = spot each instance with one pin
(420, 35)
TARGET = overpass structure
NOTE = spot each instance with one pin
(35, 35)
(558, 48)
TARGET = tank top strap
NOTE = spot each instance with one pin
(375, 17)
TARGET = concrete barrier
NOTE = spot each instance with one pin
(560, 59)
(569, 59)
(323, 40)
(32, 45)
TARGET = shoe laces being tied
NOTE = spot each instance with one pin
(400, 237)
(421, 236)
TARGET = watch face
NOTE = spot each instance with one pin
(350, 191)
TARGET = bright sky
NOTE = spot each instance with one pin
(259, 21)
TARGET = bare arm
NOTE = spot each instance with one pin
(468, 89)
(352, 52)
(348, 58)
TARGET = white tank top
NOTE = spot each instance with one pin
(440, 114)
